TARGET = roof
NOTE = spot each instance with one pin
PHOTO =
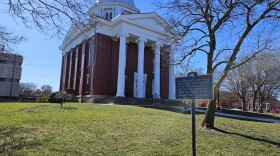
(129, 3)
(37, 92)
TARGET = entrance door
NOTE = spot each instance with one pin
(135, 84)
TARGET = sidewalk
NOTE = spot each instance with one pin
(221, 114)
(243, 117)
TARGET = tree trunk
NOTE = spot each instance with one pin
(254, 100)
(218, 96)
(243, 103)
(260, 102)
(209, 118)
(261, 108)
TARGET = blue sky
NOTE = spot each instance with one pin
(42, 58)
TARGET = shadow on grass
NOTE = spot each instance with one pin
(45, 108)
(170, 109)
(249, 137)
(11, 141)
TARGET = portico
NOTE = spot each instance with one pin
(140, 83)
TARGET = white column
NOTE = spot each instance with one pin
(157, 71)
(140, 71)
(122, 63)
(171, 74)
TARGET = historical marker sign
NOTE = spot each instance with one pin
(194, 87)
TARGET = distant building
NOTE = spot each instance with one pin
(274, 103)
(230, 100)
(35, 94)
(123, 56)
(10, 74)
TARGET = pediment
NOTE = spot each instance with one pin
(69, 34)
(150, 21)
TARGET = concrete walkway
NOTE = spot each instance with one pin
(243, 117)
(221, 114)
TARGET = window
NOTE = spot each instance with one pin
(153, 89)
(89, 54)
(108, 14)
(6, 62)
(5, 80)
(3, 61)
(14, 80)
(87, 83)
(153, 62)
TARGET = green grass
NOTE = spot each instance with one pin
(87, 129)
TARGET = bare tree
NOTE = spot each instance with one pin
(262, 73)
(272, 83)
(237, 84)
(8, 39)
(184, 68)
(220, 28)
(256, 75)
(46, 89)
(52, 17)
(26, 88)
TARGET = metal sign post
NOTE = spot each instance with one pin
(193, 130)
(194, 87)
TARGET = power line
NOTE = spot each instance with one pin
(43, 75)
(41, 65)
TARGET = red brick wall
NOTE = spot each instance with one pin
(102, 69)
(164, 75)
(114, 68)
(148, 69)
(131, 67)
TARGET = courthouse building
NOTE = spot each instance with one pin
(122, 55)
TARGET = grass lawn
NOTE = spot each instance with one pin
(87, 129)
